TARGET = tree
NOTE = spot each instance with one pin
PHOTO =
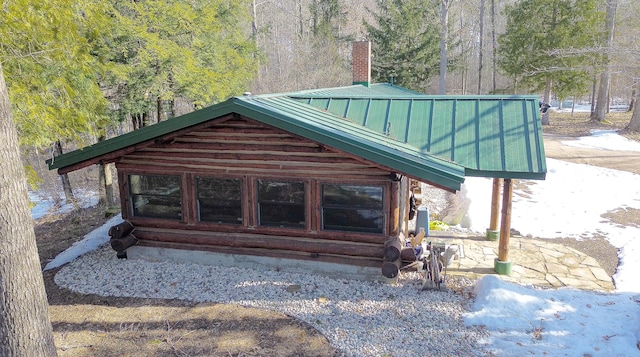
(634, 123)
(553, 48)
(25, 328)
(480, 51)
(444, 44)
(405, 42)
(50, 73)
(164, 50)
(605, 77)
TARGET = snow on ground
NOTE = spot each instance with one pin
(524, 321)
(92, 241)
(568, 204)
(606, 140)
(46, 204)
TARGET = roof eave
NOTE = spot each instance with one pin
(152, 132)
(450, 175)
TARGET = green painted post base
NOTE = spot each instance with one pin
(492, 235)
(502, 268)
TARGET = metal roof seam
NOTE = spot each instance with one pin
(365, 153)
(372, 140)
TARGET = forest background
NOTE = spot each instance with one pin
(81, 71)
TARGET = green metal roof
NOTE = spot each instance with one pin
(491, 136)
(435, 138)
(290, 115)
(376, 89)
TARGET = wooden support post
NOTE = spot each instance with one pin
(495, 204)
(394, 227)
(505, 226)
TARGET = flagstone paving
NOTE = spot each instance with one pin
(534, 262)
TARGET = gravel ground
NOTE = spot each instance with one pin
(359, 318)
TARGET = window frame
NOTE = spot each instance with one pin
(381, 208)
(132, 198)
(301, 225)
(239, 220)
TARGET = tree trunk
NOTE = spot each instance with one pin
(494, 44)
(464, 54)
(480, 37)
(547, 99)
(634, 124)
(159, 108)
(605, 76)
(105, 180)
(25, 328)
(594, 84)
(300, 19)
(444, 24)
(632, 101)
(66, 183)
(136, 121)
(146, 119)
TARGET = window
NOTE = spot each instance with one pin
(352, 208)
(281, 204)
(155, 196)
(219, 200)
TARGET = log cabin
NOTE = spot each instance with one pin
(315, 180)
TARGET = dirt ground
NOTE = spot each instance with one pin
(90, 325)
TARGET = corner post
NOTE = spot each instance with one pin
(502, 264)
(492, 231)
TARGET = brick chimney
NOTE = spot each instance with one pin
(361, 62)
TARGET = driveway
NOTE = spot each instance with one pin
(618, 160)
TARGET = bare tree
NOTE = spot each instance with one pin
(25, 328)
(605, 76)
(634, 124)
(64, 178)
(494, 46)
(444, 33)
(480, 38)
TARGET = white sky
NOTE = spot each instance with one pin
(524, 321)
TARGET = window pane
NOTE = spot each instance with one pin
(353, 208)
(352, 196)
(219, 200)
(156, 196)
(281, 204)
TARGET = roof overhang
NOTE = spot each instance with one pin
(289, 115)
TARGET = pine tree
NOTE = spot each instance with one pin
(406, 42)
(550, 44)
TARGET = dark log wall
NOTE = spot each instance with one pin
(237, 147)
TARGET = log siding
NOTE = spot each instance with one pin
(243, 149)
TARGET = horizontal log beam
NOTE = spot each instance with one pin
(328, 258)
(213, 132)
(246, 141)
(243, 162)
(290, 172)
(306, 245)
(248, 155)
(239, 150)
(115, 155)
